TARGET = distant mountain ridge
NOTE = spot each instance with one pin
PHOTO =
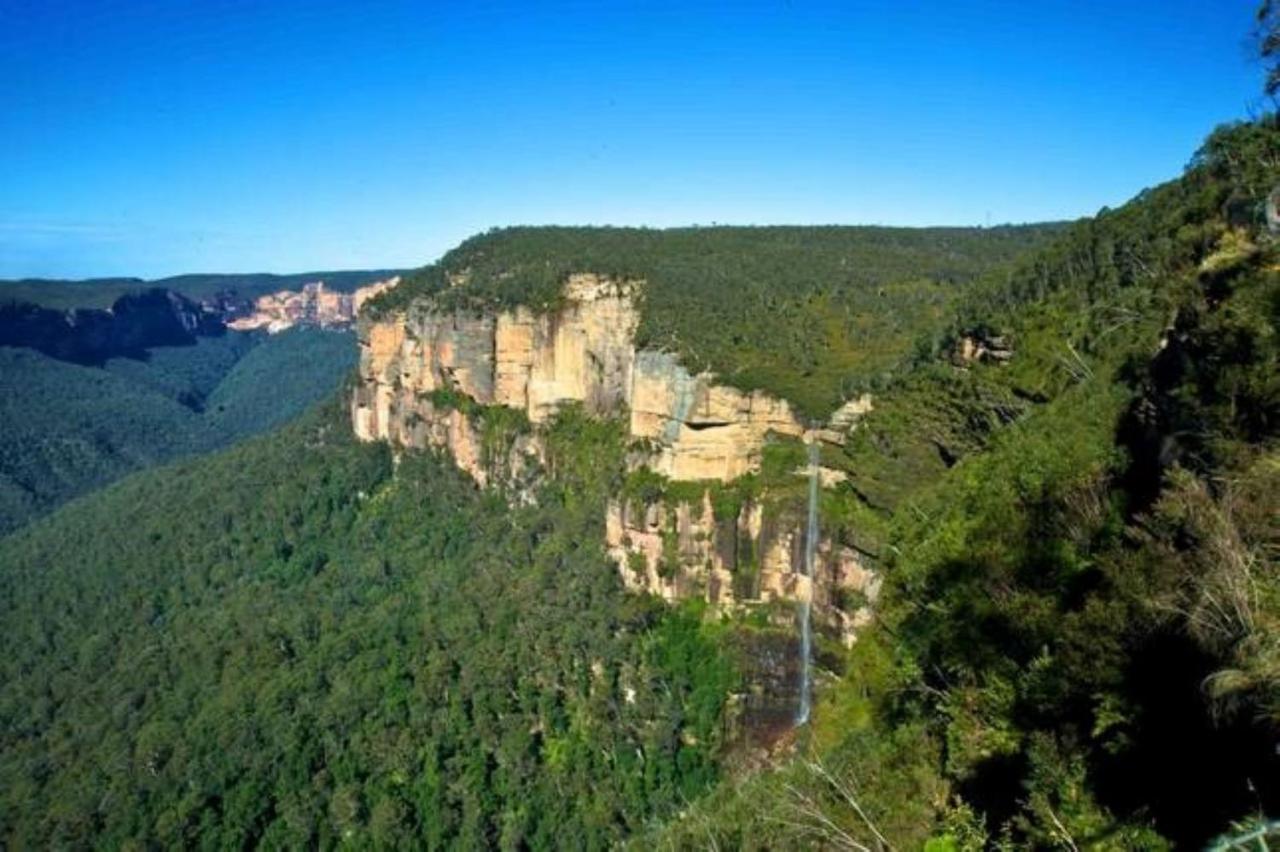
(96, 387)
(134, 324)
(102, 292)
(166, 316)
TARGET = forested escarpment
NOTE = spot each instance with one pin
(67, 428)
(1064, 485)
(134, 324)
(293, 643)
(1065, 475)
(810, 314)
(1076, 645)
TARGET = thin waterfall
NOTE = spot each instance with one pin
(806, 599)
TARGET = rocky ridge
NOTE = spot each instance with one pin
(431, 378)
(134, 324)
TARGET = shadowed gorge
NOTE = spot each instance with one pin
(92, 393)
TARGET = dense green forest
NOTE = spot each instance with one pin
(298, 643)
(102, 292)
(813, 314)
(68, 429)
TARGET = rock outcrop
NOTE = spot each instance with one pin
(701, 430)
(312, 305)
(684, 550)
(432, 378)
(584, 353)
(532, 363)
(978, 347)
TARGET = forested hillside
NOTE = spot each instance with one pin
(770, 537)
(66, 428)
(296, 643)
(1078, 645)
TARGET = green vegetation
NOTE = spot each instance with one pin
(810, 314)
(294, 643)
(68, 429)
(1078, 642)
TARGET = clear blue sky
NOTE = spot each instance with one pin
(151, 138)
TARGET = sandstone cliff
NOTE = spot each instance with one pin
(752, 557)
(584, 353)
(312, 305)
(432, 378)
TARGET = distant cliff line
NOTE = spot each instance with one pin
(137, 322)
(220, 290)
(313, 305)
(134, 324)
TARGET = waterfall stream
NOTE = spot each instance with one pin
(806, 599)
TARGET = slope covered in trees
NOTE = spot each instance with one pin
(68, 429)
(296, 643)
(1077, 642)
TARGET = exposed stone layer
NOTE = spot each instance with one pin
(419, 371)
(684, 551)
(312, 305)
(584, 353)
(702, 430)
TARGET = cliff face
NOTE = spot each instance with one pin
(584, 353)
(428, 377)
(532, 363)
(312, 305)
(752, 557)
(701, 430)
